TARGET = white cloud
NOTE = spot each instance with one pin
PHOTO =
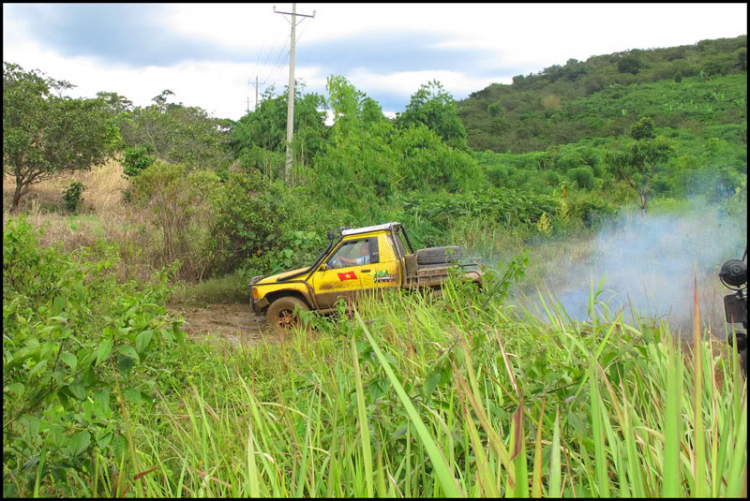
(525, 38)
(408, 82)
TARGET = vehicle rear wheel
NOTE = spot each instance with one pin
(280, 314)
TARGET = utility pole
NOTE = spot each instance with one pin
(290, 101)
(256, 92)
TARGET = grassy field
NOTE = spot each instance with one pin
(468, 394)
(458, 396)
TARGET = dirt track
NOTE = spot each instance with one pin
(232, 322)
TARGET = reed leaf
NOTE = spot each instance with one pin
(444, 475)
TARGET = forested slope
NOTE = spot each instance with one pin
(679, 87)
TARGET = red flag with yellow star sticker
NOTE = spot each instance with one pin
(349, 275)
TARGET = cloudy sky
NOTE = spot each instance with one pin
(211, 54)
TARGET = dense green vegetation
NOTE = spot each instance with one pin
(104, 397)
(465, 395)
(573, 157)
(683, 87)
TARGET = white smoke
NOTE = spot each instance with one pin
(649, 264)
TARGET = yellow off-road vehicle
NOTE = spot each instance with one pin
(372, 258)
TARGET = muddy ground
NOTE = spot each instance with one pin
(235, 323)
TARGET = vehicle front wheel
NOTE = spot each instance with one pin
(280, 314)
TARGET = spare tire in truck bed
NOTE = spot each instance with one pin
(439, 255)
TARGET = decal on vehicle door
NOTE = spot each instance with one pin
(383, 276)
(349, 275)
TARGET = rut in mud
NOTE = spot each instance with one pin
(235, 323)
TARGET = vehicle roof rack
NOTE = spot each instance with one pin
(366, 229)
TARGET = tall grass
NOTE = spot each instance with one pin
(411, 398)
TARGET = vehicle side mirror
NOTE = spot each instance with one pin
(323, 267)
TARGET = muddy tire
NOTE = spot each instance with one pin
(438, 255)
(280, 314)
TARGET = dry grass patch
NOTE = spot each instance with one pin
(104, 187)
(551, 102)
(102, 217)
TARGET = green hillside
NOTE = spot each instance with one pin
(688, 87)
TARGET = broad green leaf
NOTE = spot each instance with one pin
(17, 388)
(143, 339)
(77, 390)
(104, 350)
(70, 360)
(38, 367)
(125, 364)
(78, 443)
(62, 395)
(104, 440)
(133, 395)
(129, 351)
(101, 402)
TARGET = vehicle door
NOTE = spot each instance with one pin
(343, 272)
(385, 270)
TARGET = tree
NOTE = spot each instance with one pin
(161, 99)
(344, 100)
(432, 106)
(742, 59)
(638, 165)
(174, 132)
(116, 103)
(371, 112)
(265, 127)
(629, 64)
(45, 134)
(643, 129)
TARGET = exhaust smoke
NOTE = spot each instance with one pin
(648, 264)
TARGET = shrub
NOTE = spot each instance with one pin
(270, 163)
(583, 177)
(73, 341)
(181, 206)
(248, 214)
(72, 195)
(498, 175)
(551, 102)
(424, 159)
(552, 178)
(591, 209)
(136, 160)
(544, 224)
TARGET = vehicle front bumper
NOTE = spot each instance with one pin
(257, 305)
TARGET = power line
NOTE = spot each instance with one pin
(278, 68)
(270, 52)
(277, 64)
(257, 59)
